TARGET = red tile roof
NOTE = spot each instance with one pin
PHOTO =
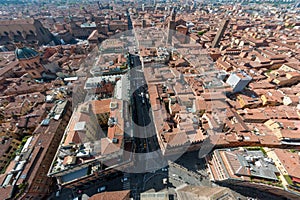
(117, 195)
(290, 161)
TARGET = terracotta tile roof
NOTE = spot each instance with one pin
(5, 144)
(290, 161)
(101, 106)
(8, 67)
(176, 138)
(175, 108)
(117, 195)
(107, 147)
(294, 65)
(269, 140)
(261, 85)
(5, 193)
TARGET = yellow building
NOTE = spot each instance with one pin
(272, 98)
(289, 67)
(248, 102)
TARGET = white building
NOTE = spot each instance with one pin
(238, 80)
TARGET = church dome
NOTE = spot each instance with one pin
(25, 53)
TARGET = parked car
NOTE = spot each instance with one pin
(124, 179)
(164, 169)
(101, 189)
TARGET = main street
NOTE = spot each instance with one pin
(144, 133)
(148, 158)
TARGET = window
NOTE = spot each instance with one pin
(19, 33)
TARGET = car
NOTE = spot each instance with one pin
(164, 169)
(124, 179)
(101, 189)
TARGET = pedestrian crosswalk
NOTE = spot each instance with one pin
(126, 181)
(126, 185)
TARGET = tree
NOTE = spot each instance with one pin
(201, 32)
